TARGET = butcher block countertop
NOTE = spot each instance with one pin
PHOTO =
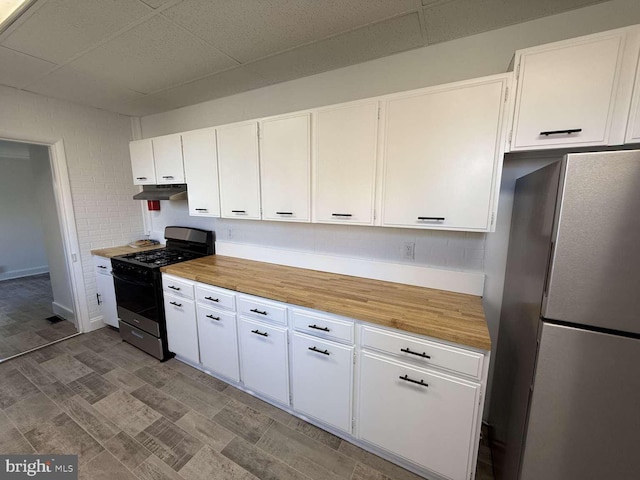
(122, 250)
(449, 316)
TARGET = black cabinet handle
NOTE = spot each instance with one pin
(176, 304)
(324, 352)
(101, 266)
(423, 354)
(255, 310)
(560, 132)
(212, 299)
(98, 297)
(341, 215)
(324, 329)
(141, 178)
(407, 379)
(201, 209)
(238, 211)
(258, 332)
(284, 213)
(173, 288)
(436, 219)
(212, 317)
(167, 176)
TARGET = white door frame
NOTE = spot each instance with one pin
(67, 220)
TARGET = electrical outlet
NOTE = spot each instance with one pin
(408, 250)
(230, 233)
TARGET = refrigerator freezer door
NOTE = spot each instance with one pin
(584, 421)
(595, 269)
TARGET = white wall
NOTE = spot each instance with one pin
(96, 147)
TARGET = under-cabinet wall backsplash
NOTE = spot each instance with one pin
(433, 248)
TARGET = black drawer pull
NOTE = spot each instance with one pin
(423, 354)
(258, 332)
(255, 310)
(560, 132)
(212, 299)
(201, 209)
(324, 352)
(141, 178)
(284, 213)
(324, 329)
(407, 379)
(174, 288)
(341, 215)
(212, 317)
(238, 211)
(101, 266)
(176, 304)
(167, 176)
(436, 219)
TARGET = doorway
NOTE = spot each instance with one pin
(36, 294)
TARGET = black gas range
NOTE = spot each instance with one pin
(138, 284)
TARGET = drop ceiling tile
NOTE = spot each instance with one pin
(157, 3)
(19, 69)
(148, 105)
(153, 56)
(63, 28)
(250, 29)
(460, 18)
(80, 87)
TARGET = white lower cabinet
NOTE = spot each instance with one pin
(182, 329)
(421, 415)
(105, 291)
(264, 360)
(218, 341)
(322, 380)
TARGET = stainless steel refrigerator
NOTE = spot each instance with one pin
(566, 395)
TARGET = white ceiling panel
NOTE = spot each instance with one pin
(460, 18)
(251, 29)
(61, 29)
(159, 3)
(83, 88)
(19, 69)
(153, 56)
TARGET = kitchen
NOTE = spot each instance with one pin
(96, 145)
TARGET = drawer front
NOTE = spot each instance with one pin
(143, 340)
(139, 321)
(102, 265)
(177, 286)
(218, 341)
(322, 325)
(215, 297)
(263, 310)
(423, 352)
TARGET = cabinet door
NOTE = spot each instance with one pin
(167, 154)
(285, 156)
(345, 145)
(264, 362)
(633, 128)
(144, 171)
(431, 424)
(442, 156)
(322, 379)
(566, 93)
(182, 330)
(107, 299)
(218, 341)
(201, 173)
(239, 171)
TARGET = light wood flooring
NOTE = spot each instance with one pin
(130, 417)
(25, 304)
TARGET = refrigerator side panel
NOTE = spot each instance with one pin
(595, 270)
(584, 421)
(527, 260)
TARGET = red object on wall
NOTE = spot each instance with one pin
(153, 205)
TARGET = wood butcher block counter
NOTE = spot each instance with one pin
(448, 316)
(111, 252)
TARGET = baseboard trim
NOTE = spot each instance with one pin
(64, 312)
(24, 272)
(454, 281)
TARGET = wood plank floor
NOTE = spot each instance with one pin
(130, 417)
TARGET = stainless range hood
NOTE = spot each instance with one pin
(162, 192)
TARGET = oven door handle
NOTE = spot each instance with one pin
(130, 280)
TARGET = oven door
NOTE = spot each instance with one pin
(137, 302)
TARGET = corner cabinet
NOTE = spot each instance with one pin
(442, 159)
(201, 173)
(239, 171)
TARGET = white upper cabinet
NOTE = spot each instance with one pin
(285, 164)
(344, 146)
(144, 170)
(239, 171)
(167, 155)
(633, 129)
(574, 93)
(201, 172)
(443, 155)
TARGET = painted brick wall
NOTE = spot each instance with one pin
(97, 150)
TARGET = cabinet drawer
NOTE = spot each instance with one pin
(423, 352)
(215, 297)
(176, 286)
(102, 265)
(262, 309)
(322, 325)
